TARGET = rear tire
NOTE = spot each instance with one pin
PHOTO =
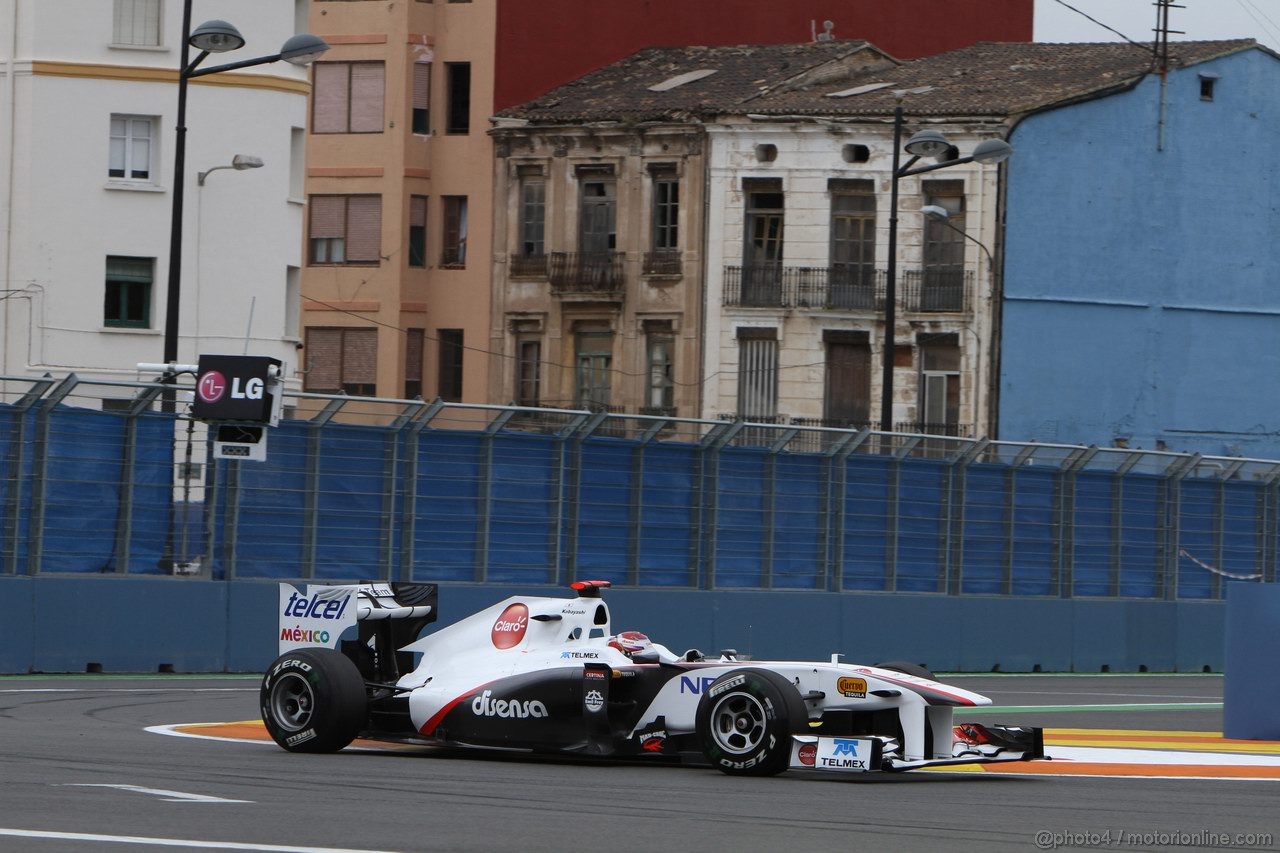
(313, 700)
(745, 720)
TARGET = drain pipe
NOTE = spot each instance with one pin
(10, 108)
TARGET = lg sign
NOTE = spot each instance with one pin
(236, 388)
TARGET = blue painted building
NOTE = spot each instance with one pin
(1142, 268)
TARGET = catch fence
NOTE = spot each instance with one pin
(104, 477)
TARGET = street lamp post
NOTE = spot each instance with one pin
(209, 37)
(924, 143)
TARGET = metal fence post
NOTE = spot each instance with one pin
(13, 510)
(311, 487)
(837, 480)
(958, 498)
(708, 501)
(409, 509)
(1064, 540)
(893, 511)
(635, 521)
(580, 432)
(40, 474)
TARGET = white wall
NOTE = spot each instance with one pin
(241, 232)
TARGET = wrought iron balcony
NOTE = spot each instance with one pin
(663, 262)
(586, 272)
(938, 290)
(847, 287)
(529, 266)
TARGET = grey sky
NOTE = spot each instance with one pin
(1200, 19)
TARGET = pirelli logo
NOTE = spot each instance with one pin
(854, 688)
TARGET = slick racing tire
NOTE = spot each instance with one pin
(907, 669)
(745, 720)
(313, 700)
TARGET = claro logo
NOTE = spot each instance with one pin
(509, 630)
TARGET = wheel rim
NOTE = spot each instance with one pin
(738, 723)
(292, 702)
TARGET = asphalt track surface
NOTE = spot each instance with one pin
(76, 758)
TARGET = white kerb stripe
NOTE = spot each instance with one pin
(178, 842)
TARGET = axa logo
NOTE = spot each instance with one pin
(696, 685)
(845, 747)
(509, 630)
(485, 705)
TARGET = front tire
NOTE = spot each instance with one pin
(313, 700)
(745, 720)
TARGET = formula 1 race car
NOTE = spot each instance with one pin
(547, 675)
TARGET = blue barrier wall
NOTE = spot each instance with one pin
(136, 625)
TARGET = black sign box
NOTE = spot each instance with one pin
(235, 388)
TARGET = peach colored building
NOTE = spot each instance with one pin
(400, 176)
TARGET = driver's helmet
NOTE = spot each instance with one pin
(634, 645)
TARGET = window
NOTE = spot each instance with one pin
(593, 368)
(422, 97)
(939, 384)
(757, 373)
(342, 360)
(847, 398)
(454, 253)
(1207, 83)
(853, 244)
(417, 231)
(664, 254)
(660, 387)
(458, 77)
(598, 219)
(528, 364)
(942, 288)
(762, 256)
(449, 378)
(127, 304)
(345, 229)
(131, 154)
(136, 23)
(348, 97)
(533, 213)
(297, 163)
(413, 349)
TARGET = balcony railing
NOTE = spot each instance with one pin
(663, 262)
(586, 272)
(925, 428)
(937, 291)
(528, 266)
(846, 287)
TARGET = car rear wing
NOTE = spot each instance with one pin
(369, 622)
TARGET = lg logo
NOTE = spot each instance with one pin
(213, 385)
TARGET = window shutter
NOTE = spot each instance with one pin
(413, 355)
(330, 98)
(418, 211)
(368, 82)
(324, 359)
(364, 227)
(421, 85)
(360, 357)
(328, 216)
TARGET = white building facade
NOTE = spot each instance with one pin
(88, 102)
(798, 221)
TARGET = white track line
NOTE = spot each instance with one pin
(177, 842)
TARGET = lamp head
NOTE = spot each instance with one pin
(991, 151)
(216, 37)
(240, 162)
(935, 211)
(303, 49)
(928, 143)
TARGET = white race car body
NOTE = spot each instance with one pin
(539, 674)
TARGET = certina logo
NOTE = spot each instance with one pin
(845, 747)
(854, 688)
(298, 634)
(315, 607)
(579, 655)
(486, 706)
(594, 701)
(509, 630)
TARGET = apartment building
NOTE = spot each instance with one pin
(88, 95)
(400, 175)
